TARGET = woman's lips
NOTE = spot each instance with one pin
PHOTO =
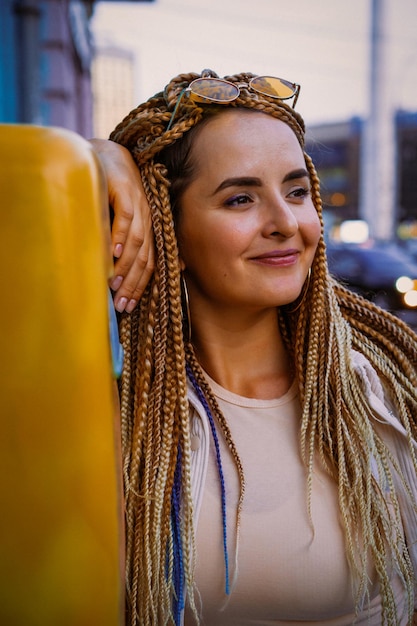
(277, 258)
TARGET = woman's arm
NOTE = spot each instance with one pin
(132, 237)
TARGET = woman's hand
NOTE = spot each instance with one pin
(132, 237)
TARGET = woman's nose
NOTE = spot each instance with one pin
(281, 219)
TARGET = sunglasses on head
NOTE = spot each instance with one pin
(208, 90)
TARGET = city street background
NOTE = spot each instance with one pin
(323, 45)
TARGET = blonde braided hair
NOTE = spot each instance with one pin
(320, 334)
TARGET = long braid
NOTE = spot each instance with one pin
(157, 432)
(334, 408)
(320, 333)
(224, 427)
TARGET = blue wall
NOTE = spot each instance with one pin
(42, 78)
(8, 70)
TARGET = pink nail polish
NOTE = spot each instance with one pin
(131, 305)
(116, 282)
(118, 249)
(121, 305)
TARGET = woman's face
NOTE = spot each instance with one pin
(247, 227)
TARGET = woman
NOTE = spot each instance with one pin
(268, 414)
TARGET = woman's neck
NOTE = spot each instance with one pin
(245, 355)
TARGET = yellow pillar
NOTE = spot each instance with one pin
(60, 517)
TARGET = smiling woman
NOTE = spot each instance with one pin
(268, 414)
(231, 228)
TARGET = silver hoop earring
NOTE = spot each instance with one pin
(185, 305)
(302, 295)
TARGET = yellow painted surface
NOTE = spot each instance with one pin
(60, 516)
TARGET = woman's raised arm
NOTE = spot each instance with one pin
(132, 237)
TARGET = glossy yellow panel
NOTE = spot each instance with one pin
(60, 520)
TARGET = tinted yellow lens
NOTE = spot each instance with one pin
(212, 90)
(275, 87)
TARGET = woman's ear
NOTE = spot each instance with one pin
(182, 265)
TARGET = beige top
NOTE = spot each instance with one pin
(286, 574)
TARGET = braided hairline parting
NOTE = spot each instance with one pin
(335, 422)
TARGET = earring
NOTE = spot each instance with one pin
(302, 295)
(186, 316)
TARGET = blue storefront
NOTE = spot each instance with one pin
(46, 52)
(45, 62)
(8, 70)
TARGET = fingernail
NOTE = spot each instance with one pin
(131, 305)
(116, 282)
(121, 305)
(118, 249)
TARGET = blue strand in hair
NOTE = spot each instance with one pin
(204, 402)
(178, 573)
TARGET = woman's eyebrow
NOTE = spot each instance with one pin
(239, 181)
(301, 173)
(253, 181)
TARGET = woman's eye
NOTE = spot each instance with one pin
(300, 192)
(238, 200)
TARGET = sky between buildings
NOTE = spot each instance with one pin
(322, 44)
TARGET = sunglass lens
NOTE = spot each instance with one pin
(271, 86)
(213, 89)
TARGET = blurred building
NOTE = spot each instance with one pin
(45, 70)
(407, 175)
(45, 63)
(335, 150)
(337, 153)
(113, 87)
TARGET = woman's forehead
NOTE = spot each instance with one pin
(240, 131)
